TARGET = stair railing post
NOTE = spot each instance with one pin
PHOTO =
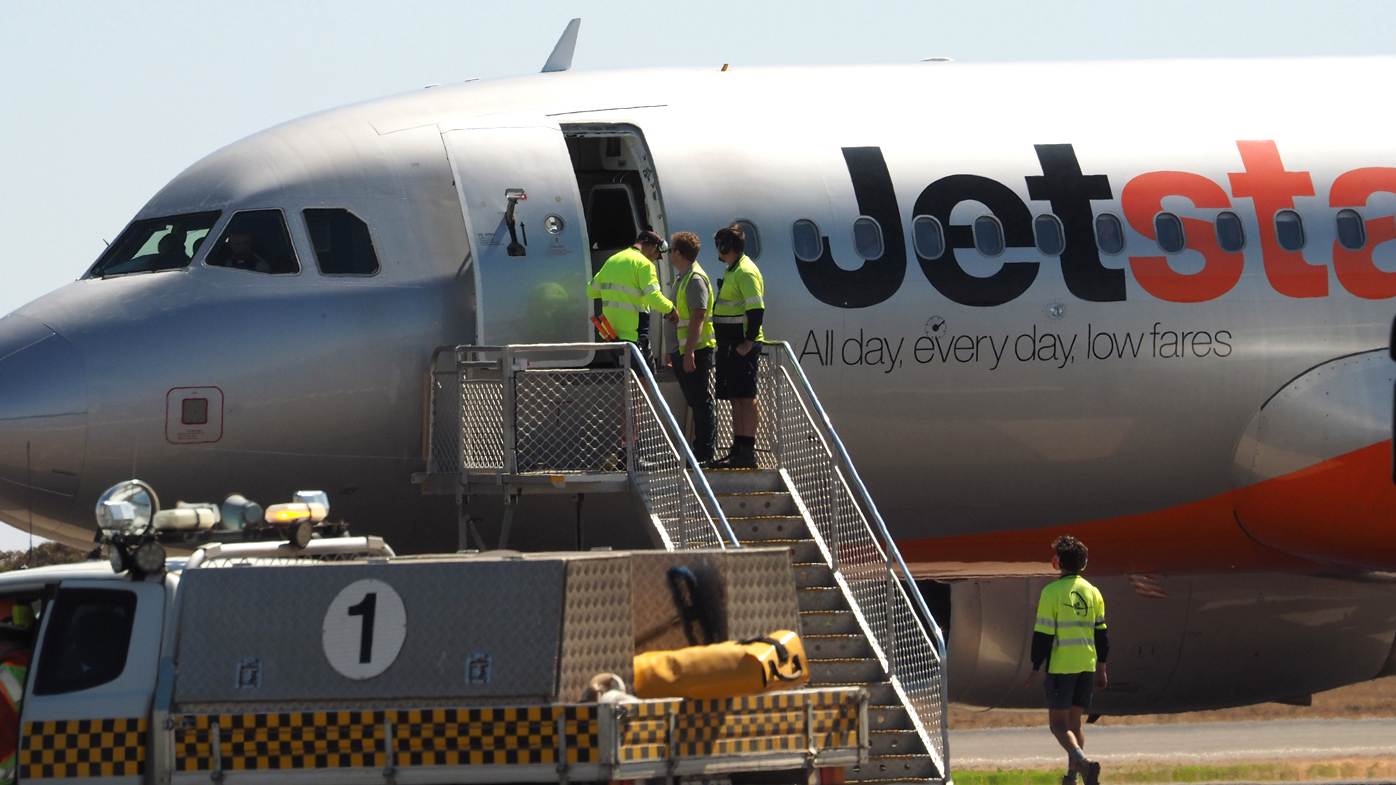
(510, 420)
(778, 442)
(628, 429)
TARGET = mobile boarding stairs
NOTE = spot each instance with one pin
(523, 419)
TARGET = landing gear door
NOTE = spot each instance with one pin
(91, 680)
(528, 237)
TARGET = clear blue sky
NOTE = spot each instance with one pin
(101, 103)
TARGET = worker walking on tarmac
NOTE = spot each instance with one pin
(1070, 631)
(737, 317)
(15, 639)
(628, 287)
(692, 339)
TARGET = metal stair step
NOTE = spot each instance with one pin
(829, 623)
(758, 529)
(819, 598)
(741, 505)
(896, 742)
(880, 693)
(801, 551)
(898, 767)
(892, 716)
(727, 481)
(813, 574)
(837, 647)
(845, 669)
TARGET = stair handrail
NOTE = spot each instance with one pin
(892, 552)
(676, 436)
(640, 370)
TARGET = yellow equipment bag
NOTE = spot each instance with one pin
(723, 670)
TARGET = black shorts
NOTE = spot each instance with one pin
(736, 375)
(1064, 690)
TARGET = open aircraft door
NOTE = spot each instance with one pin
(528, 237)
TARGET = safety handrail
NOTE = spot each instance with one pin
(888, 543)
(689, 469)
(676, 437)
(899, 596)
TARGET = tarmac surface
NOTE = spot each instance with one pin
(1198, 742)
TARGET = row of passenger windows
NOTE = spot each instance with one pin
(254, 240)
(1050, 238)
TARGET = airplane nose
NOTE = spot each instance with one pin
(43, 425)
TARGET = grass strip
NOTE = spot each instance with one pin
(1297, 770)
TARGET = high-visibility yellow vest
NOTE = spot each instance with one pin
(705, 337)
(742, 290)
(627, 286)
(12, 674)
(1072, 610)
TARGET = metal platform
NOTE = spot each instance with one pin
(550, 419)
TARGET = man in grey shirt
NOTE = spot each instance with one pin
(689, 328)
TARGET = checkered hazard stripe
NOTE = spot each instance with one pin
(763, 723)
(354, 739)
(83, 748)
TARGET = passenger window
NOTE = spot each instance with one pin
(867, 238)
(1289, 230)
(86, 641)
(753, 239)
(1109, 233)
(1352, 230)
(1230, 236)
(804, 235)
(1168, 229)
(341, 241)
(256, 240)
(988, 235)
(928, 237)
(1047, 229)
(156, 244)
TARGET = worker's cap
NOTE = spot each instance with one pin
(650, 238)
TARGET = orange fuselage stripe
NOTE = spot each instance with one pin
(1341, 511)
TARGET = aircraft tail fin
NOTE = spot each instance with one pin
(561, 58)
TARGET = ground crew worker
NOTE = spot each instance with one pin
(693, 340)
(14, 666)
(627, 286)
(737, 317)
(1070, 631)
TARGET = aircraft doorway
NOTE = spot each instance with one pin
(620, 196)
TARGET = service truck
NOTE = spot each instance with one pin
(332, 659)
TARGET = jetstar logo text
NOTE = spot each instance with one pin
(1265, 183)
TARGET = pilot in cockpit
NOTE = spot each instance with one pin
(170, 254)
(240, 254)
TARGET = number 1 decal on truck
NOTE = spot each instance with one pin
(364, 629)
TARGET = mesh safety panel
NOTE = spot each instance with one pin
(569, 420)
(481, 423)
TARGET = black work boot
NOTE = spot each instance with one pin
(721, 463)
(743, 457)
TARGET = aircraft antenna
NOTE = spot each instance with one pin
(561, 58)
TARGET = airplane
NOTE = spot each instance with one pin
(1146, 303)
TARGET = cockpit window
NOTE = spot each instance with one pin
(156, 244)
(256, 240)
(342, 243)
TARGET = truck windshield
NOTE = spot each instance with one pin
(156, 244)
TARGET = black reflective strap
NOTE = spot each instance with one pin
(782, 654)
